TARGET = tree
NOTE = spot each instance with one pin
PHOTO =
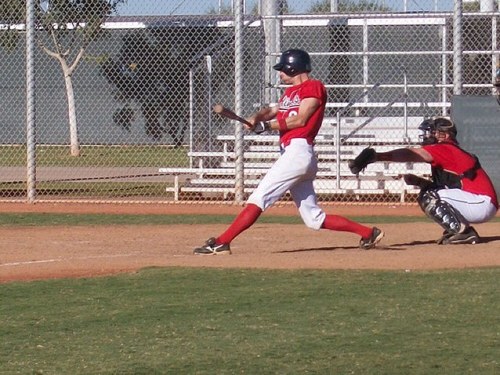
(65, 29)
(142, 74)
(11, 13)
(471, 6)
(227, 10)
(152, 72)
(348, 6)
(224, 10)
(72, 25)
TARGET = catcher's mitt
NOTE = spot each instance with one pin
(365, 157)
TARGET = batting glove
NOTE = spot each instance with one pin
(262, 127)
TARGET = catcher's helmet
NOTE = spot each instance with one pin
(293, 62)
(429, 128)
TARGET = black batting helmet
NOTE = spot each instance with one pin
(429, 128)
(293, 62)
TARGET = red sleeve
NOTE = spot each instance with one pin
(442, 156)
(314, 90)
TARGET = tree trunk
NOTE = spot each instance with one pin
(70, 93)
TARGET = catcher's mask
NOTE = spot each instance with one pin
(293, 62)
(430, 127)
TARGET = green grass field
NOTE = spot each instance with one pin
(210, 321)
(34, 219)
(97, 156)
(241, 321)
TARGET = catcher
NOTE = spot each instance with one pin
(459, 193)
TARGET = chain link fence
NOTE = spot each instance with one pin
(120, 93)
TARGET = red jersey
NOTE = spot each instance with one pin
(449, 157)
(289, 106)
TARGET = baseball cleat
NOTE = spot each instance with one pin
(469, 236)
(373, 240)
(444, 237)
(211, 247)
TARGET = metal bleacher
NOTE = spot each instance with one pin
(213, 172)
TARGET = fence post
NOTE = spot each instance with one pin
(30, 103)
(272, 41)
(444, 69)
(239, 187)
(191, 116)
(495, 63)
(208, 60)
(457, 48)
(338, 141)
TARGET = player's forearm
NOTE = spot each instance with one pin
(288, 123)
(400, 155)
(265, 114)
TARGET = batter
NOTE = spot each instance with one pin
(298, 117)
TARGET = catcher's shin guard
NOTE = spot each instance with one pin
(441, 211)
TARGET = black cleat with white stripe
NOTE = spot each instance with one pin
(211, 247)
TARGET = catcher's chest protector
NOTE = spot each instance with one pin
(442, 178)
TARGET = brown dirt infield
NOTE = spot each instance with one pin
(29, 253)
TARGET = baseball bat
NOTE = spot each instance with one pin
(226, 112)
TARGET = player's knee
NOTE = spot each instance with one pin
(440, 211)
(259, 201)
(313, 221)
(427, 199)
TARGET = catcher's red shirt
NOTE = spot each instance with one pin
(451, 158)
(289, 106)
